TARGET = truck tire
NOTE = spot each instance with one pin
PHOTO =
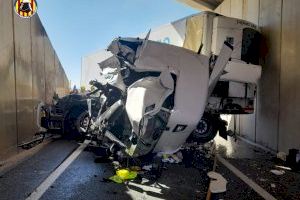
(206, 129)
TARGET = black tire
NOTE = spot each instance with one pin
(206, 129)
(72, 123)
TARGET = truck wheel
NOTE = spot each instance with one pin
(206, 129)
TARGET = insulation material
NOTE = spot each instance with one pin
(194, 33)
(199, 32)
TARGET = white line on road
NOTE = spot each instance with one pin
(263, 193)
(40, 190)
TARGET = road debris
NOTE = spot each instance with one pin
(281, 156)
(172, 158)
(147, 167)
(283, 167)
(218, 183)
(277, 172)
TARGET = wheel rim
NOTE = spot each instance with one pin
(83, 123)
(202, 127)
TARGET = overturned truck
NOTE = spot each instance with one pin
(153, 97)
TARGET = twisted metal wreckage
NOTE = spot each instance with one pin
(153, 97)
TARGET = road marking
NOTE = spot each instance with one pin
(41, 189)
(263, 193)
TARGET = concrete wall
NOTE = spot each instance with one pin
(30, 72)
(276, 123)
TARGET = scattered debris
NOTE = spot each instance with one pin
(147, 167)
(116, 163)
(283, 167)
(273, 185)
(218, 182)
(172, 158)
(278, 172)
(281, 156)
(199, 156)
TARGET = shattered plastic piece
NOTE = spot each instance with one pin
(218, 184)
(278, 172)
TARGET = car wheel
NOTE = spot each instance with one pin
(73, 122)
(82, 122)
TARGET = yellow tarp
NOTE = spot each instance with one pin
(194, 33)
